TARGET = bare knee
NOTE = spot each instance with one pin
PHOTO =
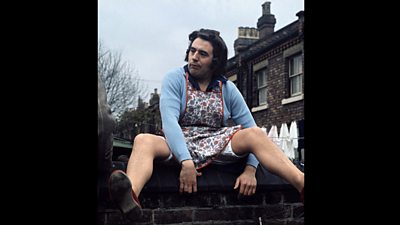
(247, 138)
(150, 145)
(143, 143)
(256, 134)
(253, 133)
(142, 139)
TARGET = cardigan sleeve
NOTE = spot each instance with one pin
(241, 114)
(172, 89)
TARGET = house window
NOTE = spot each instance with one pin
(296, 75)
(262, 86)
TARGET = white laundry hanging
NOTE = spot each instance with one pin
(293, 139)
(284, 139)
(273, 135)
(264, 129)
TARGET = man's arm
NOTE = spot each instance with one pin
(170, 103)
(247, 181)
(241, 115)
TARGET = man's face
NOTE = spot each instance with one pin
(199, 59)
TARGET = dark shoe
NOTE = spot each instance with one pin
(124, 197)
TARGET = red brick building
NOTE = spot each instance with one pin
(268, 70)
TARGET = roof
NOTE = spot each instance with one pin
(263, 45)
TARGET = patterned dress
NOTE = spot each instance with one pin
(202, 124)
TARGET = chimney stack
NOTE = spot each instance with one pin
(266, 23)
(300, 14)
(246, 37)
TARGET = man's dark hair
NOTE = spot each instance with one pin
(220, 51)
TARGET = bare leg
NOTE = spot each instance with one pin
(146, 148)
(269, 155)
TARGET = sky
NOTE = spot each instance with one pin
(152, 35)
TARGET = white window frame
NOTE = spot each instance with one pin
(262, 89)
(296, 75)
(257, 68)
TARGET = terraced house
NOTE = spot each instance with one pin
(268, 70)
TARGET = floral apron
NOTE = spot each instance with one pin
(202, 124)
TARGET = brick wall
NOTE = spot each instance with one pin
(275, 207)
(275, 201)
(278, 89)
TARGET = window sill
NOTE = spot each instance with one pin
(292, 99)
(259, 108)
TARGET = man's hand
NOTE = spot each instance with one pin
(247, 181)
(188, 177)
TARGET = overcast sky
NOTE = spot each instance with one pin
(152, 35)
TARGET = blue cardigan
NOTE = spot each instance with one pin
(172, 106)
